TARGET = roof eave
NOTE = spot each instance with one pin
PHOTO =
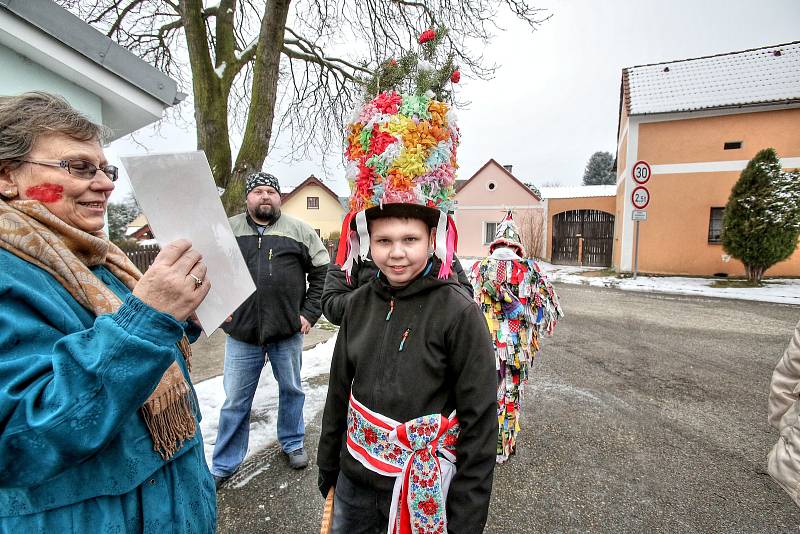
(74, 33)
(782, 102)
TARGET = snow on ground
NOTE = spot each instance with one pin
(781, 291)
(263, 431)
(778, 290)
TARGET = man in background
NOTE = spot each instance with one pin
(282, 254)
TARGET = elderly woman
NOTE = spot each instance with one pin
(98, 419)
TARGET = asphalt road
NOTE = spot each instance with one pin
(645, 413)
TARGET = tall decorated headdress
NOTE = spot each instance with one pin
(508, 236)
(401, 152)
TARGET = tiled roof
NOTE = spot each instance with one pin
(759, 76)
(461, 184)
(311, 180)
(579, 191)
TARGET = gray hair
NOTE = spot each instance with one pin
(26, 117)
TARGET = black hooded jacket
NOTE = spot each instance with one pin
(446, 362)
(278, 261)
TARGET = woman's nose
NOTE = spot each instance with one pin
(102, 182)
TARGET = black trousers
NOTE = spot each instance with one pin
(359, 509)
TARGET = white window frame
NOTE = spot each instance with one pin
(486, 237)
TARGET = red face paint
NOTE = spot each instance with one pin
(45, 192)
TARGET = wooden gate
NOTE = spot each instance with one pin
(597, 230)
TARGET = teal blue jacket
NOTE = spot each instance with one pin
(75, 453)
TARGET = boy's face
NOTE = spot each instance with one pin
(399, 248)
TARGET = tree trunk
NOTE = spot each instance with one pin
(210, 95)
(754, 274)
(263, 98)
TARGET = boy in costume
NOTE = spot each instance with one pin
(409, 423)
(520, 305)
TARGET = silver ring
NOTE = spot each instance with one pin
(197, 281)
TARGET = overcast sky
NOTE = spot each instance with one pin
(555, 98)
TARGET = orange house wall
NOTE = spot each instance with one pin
(696, 140)
(560, 205)
(674, 239)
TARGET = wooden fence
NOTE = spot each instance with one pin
(143, 256)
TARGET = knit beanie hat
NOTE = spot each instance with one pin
(401, 154)
(507, 236)
(261, 178)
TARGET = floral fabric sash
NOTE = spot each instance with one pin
(420, 454)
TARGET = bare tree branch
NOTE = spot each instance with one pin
(287, 72)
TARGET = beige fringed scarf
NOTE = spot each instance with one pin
(30, 231)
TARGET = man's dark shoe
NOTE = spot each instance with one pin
(220, 480)
(298, 459)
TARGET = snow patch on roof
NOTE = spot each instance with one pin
(579, 191)
(760, 76)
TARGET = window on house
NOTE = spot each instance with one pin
(490, 231)
(312, 203)
(318, 232)
(715, 225)
(732, 145)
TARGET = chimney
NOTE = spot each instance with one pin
(508, 167)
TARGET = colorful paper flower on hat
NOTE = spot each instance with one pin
(354, 148)
(419, 134)
(438, 113)
(427, 35)
(398, 125)
(367, 112)
(439, 156)
(388, 102)
(380, 141)
(392, 152)
(415, 106)
(364, 138)
(379, 165)
(412, 161)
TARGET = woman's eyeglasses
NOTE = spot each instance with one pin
(78, 168)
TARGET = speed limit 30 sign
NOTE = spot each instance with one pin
(640, 197)
(641, 172)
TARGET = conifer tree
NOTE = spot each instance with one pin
(598, 170)
(762, 218)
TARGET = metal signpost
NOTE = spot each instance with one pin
(640, 198)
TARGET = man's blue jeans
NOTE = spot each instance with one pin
(243, 365)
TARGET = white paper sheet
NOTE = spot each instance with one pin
(180, 200)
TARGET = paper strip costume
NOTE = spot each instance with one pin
(520, 305)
